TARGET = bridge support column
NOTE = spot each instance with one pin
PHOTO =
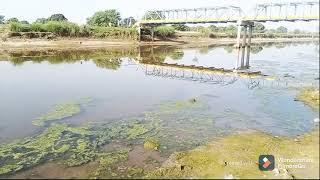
(243, 48)
(152, 33)
(248, 47)
(244, 44)
(238, 36)
(139, 33)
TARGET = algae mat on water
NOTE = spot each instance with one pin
(74, 145)
(61, 111)
(80, 145)
(236, 156)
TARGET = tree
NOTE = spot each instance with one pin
(12, 20)
(213, 28)
(105, 18)
(282, 29)
(24, 22)
(181, 27)
(231, 29)
(42, 20)
(1, 19)
(128, 22)
(57, 17)
(259, 28)
(154, 15)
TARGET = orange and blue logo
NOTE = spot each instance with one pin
(266, 162)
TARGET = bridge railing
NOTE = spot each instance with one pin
(286, 11)
(291, 11)
(196, 15)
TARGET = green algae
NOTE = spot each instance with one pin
(74, 145)
(237, 156)
(183, 124)
(107, 163)
(173, 106)
(136, 130)
(60, 111)
(309, 96)
(25, 153)
(151, 144)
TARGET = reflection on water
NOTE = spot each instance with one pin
(126, 82)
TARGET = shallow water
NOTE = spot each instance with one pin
(124, 85)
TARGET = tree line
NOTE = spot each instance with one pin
(109, 23)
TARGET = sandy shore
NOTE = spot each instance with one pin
(41, 44)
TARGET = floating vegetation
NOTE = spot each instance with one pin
(136, 130)
(61, 111)
(236, 156)
(151, 144)
(310, 96)
(175, 106)
(184, 124)
(80, 145)
(75, 145)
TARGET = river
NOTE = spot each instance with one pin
(124, 85)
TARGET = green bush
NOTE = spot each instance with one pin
(38, 27)
(62, 28)
(164, 31)
(114, 32)
(205, 32)
(84, 31)
(18, 27)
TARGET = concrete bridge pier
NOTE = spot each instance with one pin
(152, 33)
(248, 47)
(243, 48)
(151, 28)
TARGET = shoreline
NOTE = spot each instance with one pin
(94, 44)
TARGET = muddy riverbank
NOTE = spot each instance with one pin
(16, 44)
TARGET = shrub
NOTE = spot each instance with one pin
(164, 31)
(18, 27)
(38, 27)
(62, 28)
(114, 32)
(205, 32)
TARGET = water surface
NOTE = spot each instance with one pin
(124, 84)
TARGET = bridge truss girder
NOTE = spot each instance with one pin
(291, 11)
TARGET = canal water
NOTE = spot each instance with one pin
(193, 105)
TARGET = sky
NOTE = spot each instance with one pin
(79, 10)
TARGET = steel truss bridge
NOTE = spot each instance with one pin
(290, 11)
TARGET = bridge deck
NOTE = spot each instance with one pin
(224, 20)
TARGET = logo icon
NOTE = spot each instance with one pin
(266, 162)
